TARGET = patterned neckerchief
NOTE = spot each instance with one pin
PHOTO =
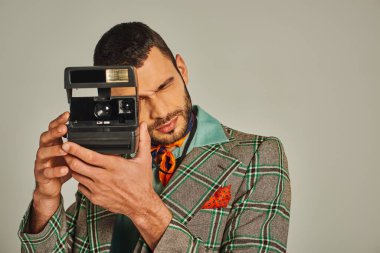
(167, 164)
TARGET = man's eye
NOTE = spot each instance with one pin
(164, 87)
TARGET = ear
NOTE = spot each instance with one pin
(181, 65)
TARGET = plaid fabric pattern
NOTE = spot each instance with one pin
(255, 220)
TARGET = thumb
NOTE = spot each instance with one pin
(144, 142)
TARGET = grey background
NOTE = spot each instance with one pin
(307, 72)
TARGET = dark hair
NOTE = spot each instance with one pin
(129, 44)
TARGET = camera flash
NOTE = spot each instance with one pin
(116, 75)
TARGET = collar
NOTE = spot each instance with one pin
(209, 131)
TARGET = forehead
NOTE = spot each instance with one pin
(157, 68)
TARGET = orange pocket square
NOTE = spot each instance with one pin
(220, 198)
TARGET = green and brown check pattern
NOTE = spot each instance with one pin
(255, 220)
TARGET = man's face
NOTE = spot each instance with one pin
(164, 101)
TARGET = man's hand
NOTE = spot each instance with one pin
(50, 172)
(122, 185)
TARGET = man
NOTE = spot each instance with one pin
(214, 189)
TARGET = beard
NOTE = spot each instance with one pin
(173, 136)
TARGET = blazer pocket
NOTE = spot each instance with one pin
(219, 199)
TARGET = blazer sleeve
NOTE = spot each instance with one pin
(57, 235)
(259, 218)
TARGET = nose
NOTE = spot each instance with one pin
(158, 108)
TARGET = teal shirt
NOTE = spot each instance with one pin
(209, 131)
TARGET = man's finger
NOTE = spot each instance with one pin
(61, 119)
(83, 180)
(86, 155)
(49, 137)
(144, 142)
(85, 191)
(55, 172)
(44, 153)
(80, 167)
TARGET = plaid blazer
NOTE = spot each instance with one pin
(255, 220)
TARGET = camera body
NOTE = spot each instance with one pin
(104, 123)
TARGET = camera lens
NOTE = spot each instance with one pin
(102, 111)
(125, 107)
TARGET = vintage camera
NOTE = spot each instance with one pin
(105, 124)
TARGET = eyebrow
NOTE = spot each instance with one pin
(167, 81)
(161, 86)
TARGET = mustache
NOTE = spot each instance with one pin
(165, 120)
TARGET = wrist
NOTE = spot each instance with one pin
(153, 221)
(45, 206)
(42, 210)
(154, 214)
(45, 192)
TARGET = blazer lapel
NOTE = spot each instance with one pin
(201, 173)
